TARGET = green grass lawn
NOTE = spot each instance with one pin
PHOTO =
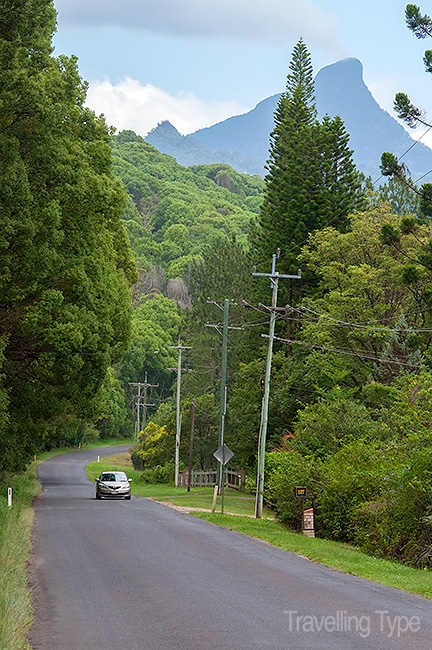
(234, 501)
(339, 556)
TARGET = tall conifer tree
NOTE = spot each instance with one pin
(311, 178)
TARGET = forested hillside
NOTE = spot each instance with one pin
(176, 211)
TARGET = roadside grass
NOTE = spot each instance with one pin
(15, 531)
(16, 523)
(342, 557)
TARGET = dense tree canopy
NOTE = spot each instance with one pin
(65, 265)
(174, 212)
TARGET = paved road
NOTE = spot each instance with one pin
(138, 575)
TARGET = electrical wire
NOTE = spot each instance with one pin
(407, 151)
(358, 325)
(350, 352)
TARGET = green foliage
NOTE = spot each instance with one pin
(155, 446)
(244, 413)
(177, 212)
(370, 473)
(285, 470)
(420, 25)
(110, 409)
(365, 277)
(402, 198)
(161, 474)
(155, 327)
(389, 165)
(353, 476)
(223, 272)
(324, 427)
(397, 523)
(206, 422)
(66, 265)
(312, 180)
(408, 113)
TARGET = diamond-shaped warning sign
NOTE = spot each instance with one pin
(223, 454)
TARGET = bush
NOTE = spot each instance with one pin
(321, 429)
(137, 461)
(398, 524)
(353, 476)
(155, 446)
(284, 470)
(160, 474)
(90, 435)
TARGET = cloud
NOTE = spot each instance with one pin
(130, 105)
(268, 21)
(423, 135)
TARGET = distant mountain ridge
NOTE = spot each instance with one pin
(242, 141)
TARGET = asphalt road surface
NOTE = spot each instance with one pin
(137, 575)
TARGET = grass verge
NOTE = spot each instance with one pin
(342, 557)
(234, 502)
(15, 530)
(16, 613)
(339, 556)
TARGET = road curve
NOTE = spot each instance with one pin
(138, 575)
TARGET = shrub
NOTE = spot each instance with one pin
(284, 470)
(322, 428)
(137, 461)
(399, 524)
(160, 474)
(352, 477)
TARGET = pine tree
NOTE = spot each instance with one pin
(311, 180)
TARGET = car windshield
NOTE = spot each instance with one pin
(114, 477)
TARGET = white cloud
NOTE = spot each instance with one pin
(424, 136)
(130, 105)
(268, 21)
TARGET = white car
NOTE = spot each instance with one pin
(113, 484)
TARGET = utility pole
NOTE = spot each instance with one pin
(179, 347)
(143, 404)
(274, 279)
(222, 400)
(191, 446)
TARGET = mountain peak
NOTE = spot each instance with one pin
(164, 128)
(243, 140)
(349, 66)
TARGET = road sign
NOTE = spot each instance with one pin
(300, 492)
(223, 454)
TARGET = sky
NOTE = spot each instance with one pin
(198, 62)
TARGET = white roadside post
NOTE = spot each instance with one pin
(10, 497)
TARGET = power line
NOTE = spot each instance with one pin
(407, 151)
(360, 326)
(349, 352)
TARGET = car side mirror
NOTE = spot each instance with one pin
(130, 480)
